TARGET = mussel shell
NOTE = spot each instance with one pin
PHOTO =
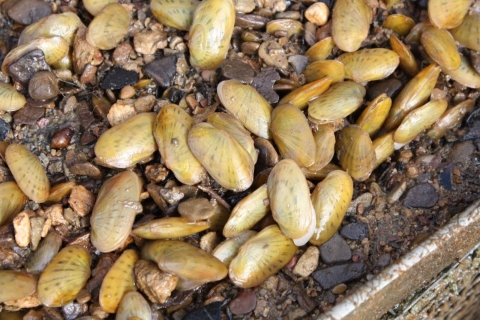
(450, 119)
(325, 147)
(418, 120)
(327, 68)
(399, 23)
(447, 14)
(247, 105)
(127, 143)
(222, 156)
(169, 228)
(133, 306)
(260, 257)
(119, 280)
(12, 201)
(170, 130)
(369, 64)
(211, 32)
(414, 94)
(321, 50)
(288, 25)
(16, 285)
(468, 32)
(10, 99)
(234, 127)
(301, 96)
(331, 199)
(408, 63)
(228, 249)
(355, 152)
(250, 210)
(108, 27)
(45, 252)
(465, 74)
(184, 260)
(112, 217)
(177, 14)
(64, 277)
(321, 174)
(292, 134)
(60, 191)
(441, 48)
(374, 115)
(350, 23)
(384, 146)
(28, 172)
(339, 101)
(62, 25)
(290, 201)
(95, 6)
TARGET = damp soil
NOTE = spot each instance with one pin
(406, 199)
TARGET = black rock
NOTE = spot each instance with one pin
(264, 82)
(421, 196)
(331, 276)
(4, 129)
(335, 250)
(446, 177)
(30, 63)
(117, 78)
(238, 70)
(162, 70)
(211, 311)
(355, 231)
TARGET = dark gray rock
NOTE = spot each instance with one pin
(298, 62)
(162, 70)
(335, 250)
(355, 231)
(421, 196)
(24, 68)
(264, 82)
(384, 260)
(331, 276)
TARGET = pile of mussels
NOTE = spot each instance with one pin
(321, 135)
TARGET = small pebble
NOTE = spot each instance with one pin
(62, 138)
(120, 112)
(335, 250)
(244, 302)
(390, 86)
(298, 62)
(211, 311)
(81, 200)
(127, 92)
(339, 288)
(29, 11)
(461, 153)
(355, 231)
(21, 225)
(317, 13)
(4, 129)
(236, 69)
(307, 263)
(43, 86)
